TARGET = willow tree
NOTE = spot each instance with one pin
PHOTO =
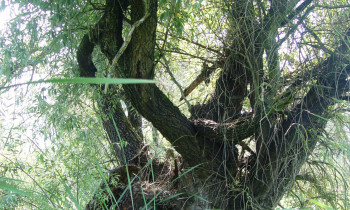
(280, 74)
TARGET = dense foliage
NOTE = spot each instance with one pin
(249, 109)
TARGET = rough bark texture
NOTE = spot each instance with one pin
(219, 173)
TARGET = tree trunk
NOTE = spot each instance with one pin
(211, 172)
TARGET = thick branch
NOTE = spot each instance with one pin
(297, 11)
(204, 75)
(86, 66)
(243, 64)
(124, 139)
(277, 13)
(150, 102)
(285, 148)
(235, 132)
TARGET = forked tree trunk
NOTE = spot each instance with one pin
(211, 172)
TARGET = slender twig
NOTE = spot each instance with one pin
(196, 43)
(333, 7)
(188, 54)
(295, 26)
(42, 189)
(323, 47)
(167, 68)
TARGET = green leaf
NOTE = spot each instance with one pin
(89, 80)
(86, 80)
(72, 197)
(14, 189)
(170, 197)
(316, 115)
(320, 204)
(41, 157)
(199, 197)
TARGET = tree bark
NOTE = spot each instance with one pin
(213, 169)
